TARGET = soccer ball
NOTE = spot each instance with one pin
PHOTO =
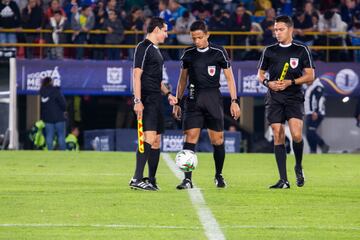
(186, 160)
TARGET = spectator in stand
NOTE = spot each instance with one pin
(134, 22)
(219, 23)
(240, 21)
(115, 36)
(82, 22)
(32, 18)
(268, 27)
(348, 10)
(54, 5)
(202, 9)
(68, 6)
(331, 22)
(182, 28)
(100, 16)
(302, 24)
(203, 15)
(165, 13)
(176, 9)
(355, 39)
(254, 40)
(111, 5)
(309, 8)
(261, 6)
(58, 23)
(9, 18)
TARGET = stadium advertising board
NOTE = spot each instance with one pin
(171, 140)
(114, 77)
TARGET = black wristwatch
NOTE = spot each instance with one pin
(235, 100)
(293, 81)
(167, 94)
(266, 82)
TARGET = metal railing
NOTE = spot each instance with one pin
(137, 34)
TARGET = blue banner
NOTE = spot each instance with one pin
(171, 140)
(91, 77)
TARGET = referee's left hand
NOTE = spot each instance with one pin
(172, 100)
(283, 84)
(235, 110)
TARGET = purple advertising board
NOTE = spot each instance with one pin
(90, 77)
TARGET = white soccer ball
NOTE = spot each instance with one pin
(186, 160)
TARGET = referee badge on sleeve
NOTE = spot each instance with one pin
(211, 70)
(294, 62)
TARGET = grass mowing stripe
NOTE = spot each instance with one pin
(39, 225)
(49, 225)
(211, 226)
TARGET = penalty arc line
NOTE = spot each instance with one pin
(208, 221)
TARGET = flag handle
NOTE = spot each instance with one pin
(140, 135)
(284, 71)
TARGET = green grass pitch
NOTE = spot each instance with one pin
(63, 195)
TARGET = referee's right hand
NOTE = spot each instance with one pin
(177, 112)
(138, 109)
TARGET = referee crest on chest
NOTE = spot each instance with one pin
(211, 70)
(294, 62)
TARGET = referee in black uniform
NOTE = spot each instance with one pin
(147, 80)
(202, 64)
(284, 100)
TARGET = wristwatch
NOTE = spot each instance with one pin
(293, 81)
(266, 82)
(137, 100)
(235, 101)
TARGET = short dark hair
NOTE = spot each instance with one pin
(47, 81)
(198, 25)
(155, 22)
(285, 19)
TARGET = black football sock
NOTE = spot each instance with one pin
(189, 146)
(280, 155)
(219, 158)
(298, 152)
(141, 161)
(153, 163)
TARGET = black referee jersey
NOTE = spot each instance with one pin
(204, 65)
(273, 59)
(147, 57)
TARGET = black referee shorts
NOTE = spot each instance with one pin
(279, 113)
(153, 119)
(206, 111)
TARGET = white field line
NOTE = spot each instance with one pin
(130, 226)
(210, 225)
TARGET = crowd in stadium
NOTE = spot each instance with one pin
(116, 16)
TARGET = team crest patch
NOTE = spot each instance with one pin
(294, 62)
(211, 70)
